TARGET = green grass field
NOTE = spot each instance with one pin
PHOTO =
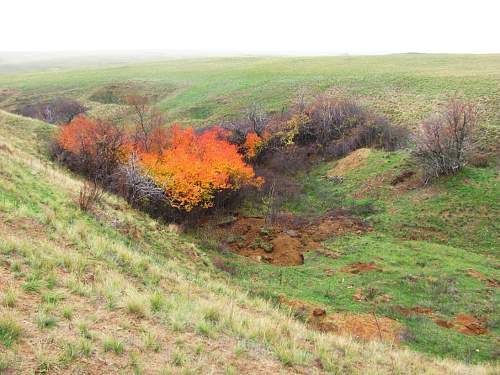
(158, 286)
(203, 91)
(424, 240)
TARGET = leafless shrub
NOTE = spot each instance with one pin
(90, 195)
(331, 118)
(135, 186)
(256, 118)
(147, 123)
(444, 143)
(375, 132)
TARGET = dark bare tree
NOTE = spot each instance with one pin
(257, 118)
(147, 121)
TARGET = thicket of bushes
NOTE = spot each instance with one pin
(56, 111)
(181, 174)
(168, 171)
(282, 144)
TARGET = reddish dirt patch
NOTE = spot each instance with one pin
(417, 310)
(5, 148)
(5, 92)
(478, 275)
(466, 324)
(367, 327)
(286, 250)
(360, 267)
(284, 242)
(462, 323)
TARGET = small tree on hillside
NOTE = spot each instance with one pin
(256, 118)
(444, 143)
(147, 123)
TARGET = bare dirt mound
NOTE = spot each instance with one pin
(352, 161)
(284, 242)
(367, 327)
(360, 267)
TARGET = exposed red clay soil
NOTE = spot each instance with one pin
(478, 275)
(360, 267)
(360, 296)
(466, 324)
(367, 327)
(284, 242)
(417, 310)
(462, 323)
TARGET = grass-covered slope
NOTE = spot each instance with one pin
(434, 248)
(404, 87)
(112, 291)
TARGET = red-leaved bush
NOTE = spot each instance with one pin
(190, 168)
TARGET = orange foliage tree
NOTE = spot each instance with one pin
(194, 167)
(86, 136)
(253, 142)
(190, 167)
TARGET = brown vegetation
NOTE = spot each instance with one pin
(444, 143)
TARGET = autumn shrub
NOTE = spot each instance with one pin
(444, 142)
(167, 172)
(91, 147)
(56, 111)
(195, 167)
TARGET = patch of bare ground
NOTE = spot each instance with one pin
(462, 323)
(284, 242)
(488, 280)
(366, 327)
(354, 160)
(466, 324)
(360, 267)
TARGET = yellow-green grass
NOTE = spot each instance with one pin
(103, 263)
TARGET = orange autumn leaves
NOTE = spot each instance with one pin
(196, 166)
(191, 167)
(252, 143)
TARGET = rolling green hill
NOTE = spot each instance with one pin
(112, 290)
(199, 91)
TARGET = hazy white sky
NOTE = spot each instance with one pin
(254, 26)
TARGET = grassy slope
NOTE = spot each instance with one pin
(405, 87)
(424, 239)
(114, 291)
